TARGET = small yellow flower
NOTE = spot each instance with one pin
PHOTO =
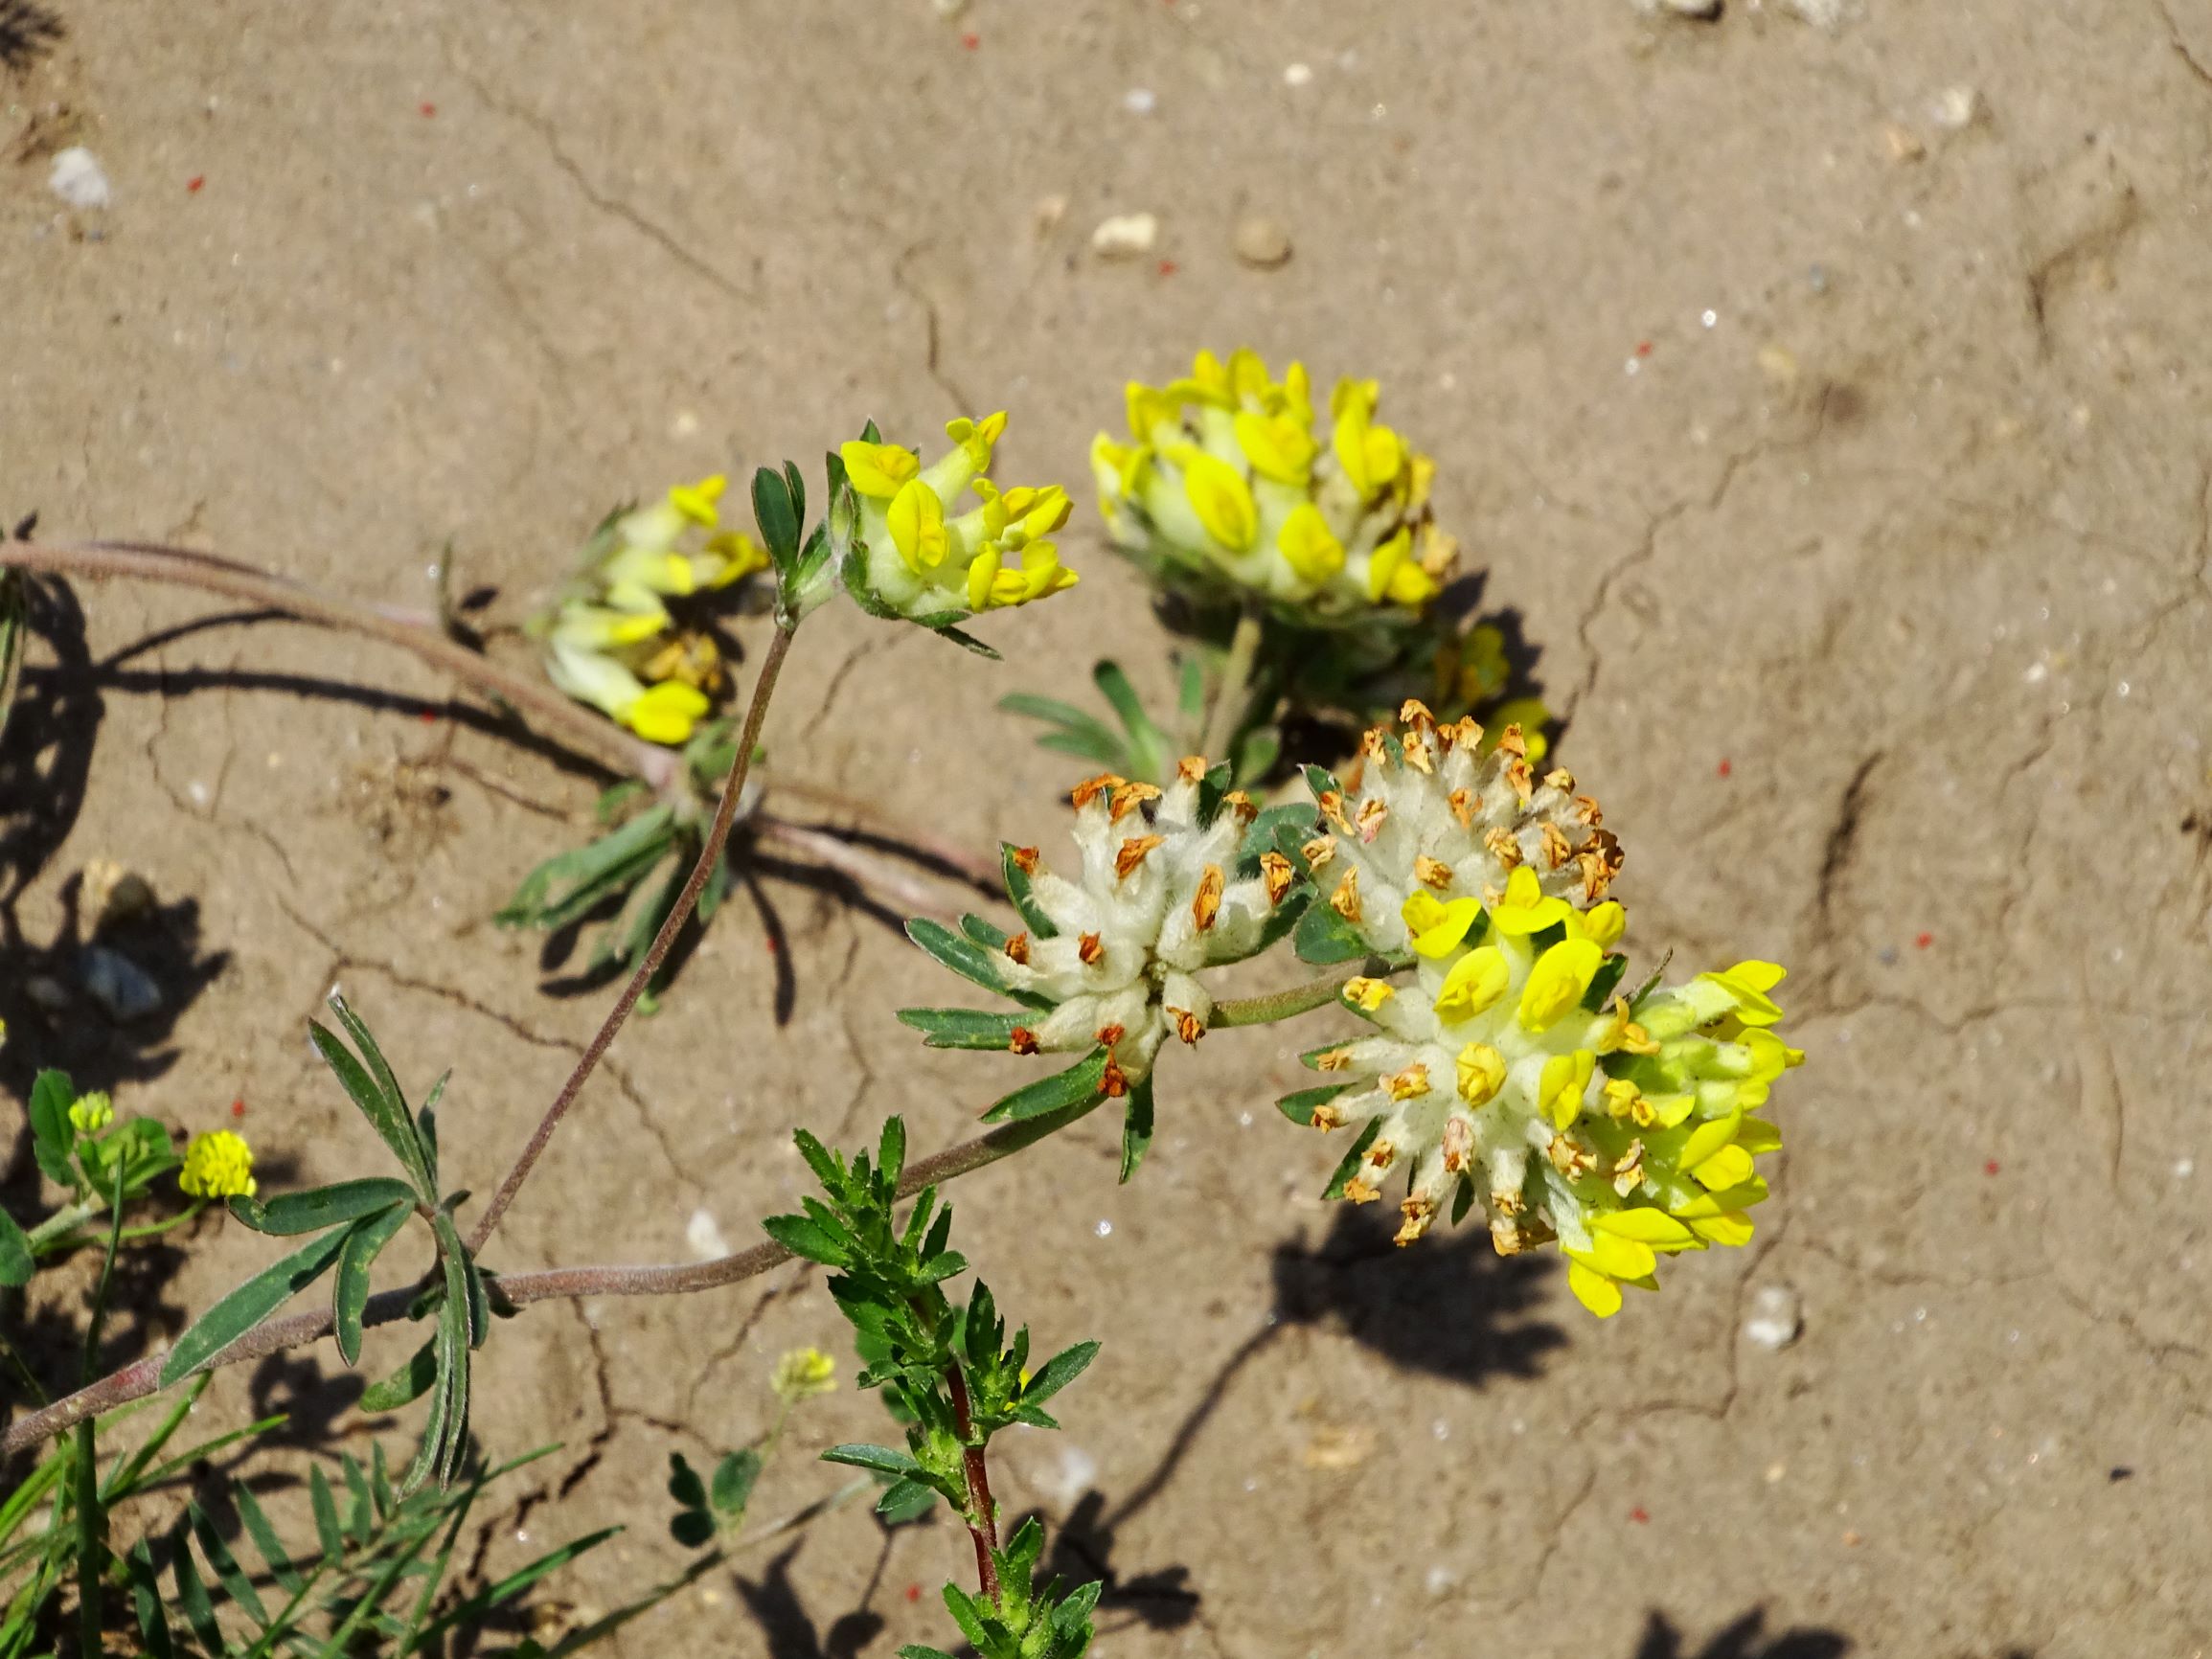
(880, 470)
(1436, 927)
(1556, 983)
(217, 1164)
(91, 1113)
(803, 1373)
(666, 713)
(1525, 910)
(1220, 498)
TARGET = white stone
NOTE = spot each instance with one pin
(1776, 1319)
(1125, 235)
(77, 178)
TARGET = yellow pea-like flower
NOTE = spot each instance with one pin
(1309, 546)
(877, 470)
(917, 523)
(1556, 985)
(1221, 499)
(1475, 983)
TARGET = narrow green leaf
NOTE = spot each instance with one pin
(1602, 982)
(797, 485)
(249, 1305)
(1070, 720)
(773, 511)
(1149, 745)
(804, 1237)
(192, 1597)
(1112, 755)
(319, 1207)
(387, 1114)
(1350, 1165)
(406, 1385)
(145, 1603)
(326, 1531)
(364, 1240)
(1462, 1200)
(360, 1507)
(426, 1126)
(904, 1500)
(51, 1095)
(1257, 753)
(966, 958)
(1081, 1081)
(961, 1028)
(225, 1566)
(272, 1549)
(1299, 1106)
(1022, 889)
(471, 1610)
(1137, 1127)
(882, 1459)
(1058, 1371)
(16, 1265)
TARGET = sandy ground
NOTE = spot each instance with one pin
(1847, 466)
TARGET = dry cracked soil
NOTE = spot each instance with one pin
(1822, 387)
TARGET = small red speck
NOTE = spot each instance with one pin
(1989, 1168)
(1169, 267)
(1638, 1515)
(238, 1108)
(772, 946)
(1643, 348)
(429, 110)
(192, 185)
(971, 41)
(1924, 941)
(914, 1592)
(428, 717)
(1726, 768)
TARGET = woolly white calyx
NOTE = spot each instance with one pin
(1433, 814)
(1156, 902)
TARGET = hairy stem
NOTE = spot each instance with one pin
(181, 567)
(718, 835)
(1233, 697)
(142, 1377)
(1279, 1005)
(983, 1526)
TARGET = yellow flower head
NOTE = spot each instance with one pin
(217, 1164)
(1508, 1074)
(803, 1373)
(916, 553)
(91, 1113)
(609, 639)
(1230, 486)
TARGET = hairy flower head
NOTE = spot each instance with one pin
(917, 553)
(610, 640)
(1167, 884)
(217, 1164)
(1439, 826)
(1509, 1075)
(1231, 481)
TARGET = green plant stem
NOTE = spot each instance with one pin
(91, 1519)
(69, 1215)
(1233, 697)
(142, 1377)
(1278, 1005)
(56, 1246)
(709, 855)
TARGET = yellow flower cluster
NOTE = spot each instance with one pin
(89, 1114)
(610, 640)
(1228, 482)
(217, 1164)
(1509, 1073)
(915, 557)
(803, 1373)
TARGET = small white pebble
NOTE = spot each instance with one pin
(77, 178)
(1955, 109)
(1776, 1319)
(2184, 1167)
(1439, 1579)
(1125, 235)
(1105, 1228)
(1711, 319)
(1139, 101)
(1298, 75)
(705, 1237)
